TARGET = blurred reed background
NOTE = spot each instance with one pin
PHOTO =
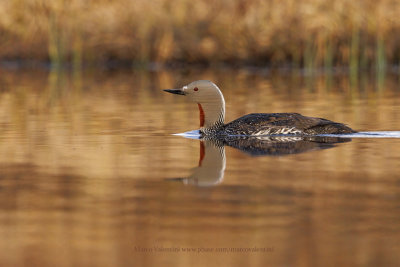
(358, 34)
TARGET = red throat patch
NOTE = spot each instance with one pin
(201, 115)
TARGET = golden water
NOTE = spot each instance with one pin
(86, 162)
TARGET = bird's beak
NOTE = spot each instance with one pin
(183, 180)
(175, 91)
(175, 179)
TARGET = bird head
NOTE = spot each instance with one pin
(210, 101)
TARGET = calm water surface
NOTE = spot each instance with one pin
(90, 174)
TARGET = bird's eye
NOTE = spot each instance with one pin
(196, 89)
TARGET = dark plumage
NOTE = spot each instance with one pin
(282, 123)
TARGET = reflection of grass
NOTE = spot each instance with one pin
(310, 33)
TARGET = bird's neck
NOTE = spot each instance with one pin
(212, 115)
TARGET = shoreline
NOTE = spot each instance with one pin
(18, 65)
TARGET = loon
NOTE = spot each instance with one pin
(211, 105)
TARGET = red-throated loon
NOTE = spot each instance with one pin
(212, 115)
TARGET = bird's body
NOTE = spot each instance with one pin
(211, 105)
(282, 123)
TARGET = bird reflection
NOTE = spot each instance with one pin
(211, 165)
(282, 145)
(211, 168)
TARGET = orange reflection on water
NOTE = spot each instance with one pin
(85, 162)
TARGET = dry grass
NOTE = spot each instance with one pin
(358, 34)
